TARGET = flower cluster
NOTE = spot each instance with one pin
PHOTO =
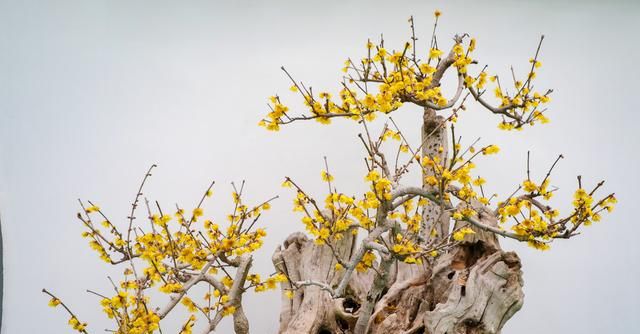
(383, 80)
(173, 253)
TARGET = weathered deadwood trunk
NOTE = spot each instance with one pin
(435, 222)
(473, 288)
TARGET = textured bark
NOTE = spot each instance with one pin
(313, 310)
(434, 146)
(475, 288)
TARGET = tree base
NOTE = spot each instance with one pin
(474, 288)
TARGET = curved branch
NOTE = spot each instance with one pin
(174, 299)
(375, 234)
(235, 292)
(323, 286)
(426, 194)
(449, 104)
(504, 110)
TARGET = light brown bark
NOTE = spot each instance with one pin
(475, 288)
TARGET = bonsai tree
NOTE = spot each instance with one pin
(400, 258)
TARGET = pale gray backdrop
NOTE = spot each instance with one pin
(93, 92)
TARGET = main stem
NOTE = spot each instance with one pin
(435, 222)
(379, 283)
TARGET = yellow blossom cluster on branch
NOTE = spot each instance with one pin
(455, 188)
(383, 80)
(171, 253)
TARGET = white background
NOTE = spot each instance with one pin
(93, 92)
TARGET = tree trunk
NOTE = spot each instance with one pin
(474, 288)
(434, 146)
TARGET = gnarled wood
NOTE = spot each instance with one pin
(481, 299)
(474, 288)
(312, 309)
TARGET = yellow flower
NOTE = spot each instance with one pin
(326, 176)
(369, 101)
(426, 69)
(539, 245)
(187, 328)
(458, 49)
(460, 234)
(479, 181)
(491, 149)
(188, 303)
(529, 186)
(273, 126)
(506, 126)
(93, 208)
(229, 310)
(171, 287)
(536, 63)
(372, 176)
(324, 233)
(77, 325)
(434, 53)
(431, 180)
(54, 302)
(437, 13)
(512, 210)
(409, 259)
